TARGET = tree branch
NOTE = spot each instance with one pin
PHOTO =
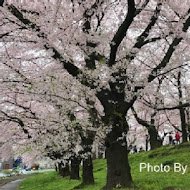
(141, 39)
(70, 67)
(121, 32)
(139, 120)
(16, 120)
(138, 11)
(169, 53)
(172, 124)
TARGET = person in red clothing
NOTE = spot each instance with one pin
(177, 137)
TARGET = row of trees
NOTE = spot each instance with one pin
(73, 70)
(168, 104)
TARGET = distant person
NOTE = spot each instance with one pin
(165, 134)
(170, 139)
(141, 149)
(177, 138)
(135, 149)
(161, 135)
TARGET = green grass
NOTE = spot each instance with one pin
(142, 180)
(48, 181)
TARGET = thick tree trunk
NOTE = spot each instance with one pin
(118, 169)
(87, 172)
(154, 141)
(63, 169)
(182, 110)
(183, 124)
(115, 107)
(75, 165)
(147, 142)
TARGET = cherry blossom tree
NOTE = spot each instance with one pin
(168, 102)
(44, 119)
(178, 96)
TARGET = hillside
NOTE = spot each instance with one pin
(162, 180)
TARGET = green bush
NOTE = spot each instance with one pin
(15, 171)
(7, 172)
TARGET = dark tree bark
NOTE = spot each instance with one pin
(183, 124)
(63, 169)
(56, 168)
(87, 171)
(1, 3)
(147, 142)
(87, 139)
(154, 141)
(182, 110)
(75, 166)
(118, 169)
(188, 123)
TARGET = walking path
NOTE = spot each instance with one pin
(13, 185)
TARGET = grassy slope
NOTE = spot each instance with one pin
(143, 181)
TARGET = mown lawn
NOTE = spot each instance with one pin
(142, 180)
